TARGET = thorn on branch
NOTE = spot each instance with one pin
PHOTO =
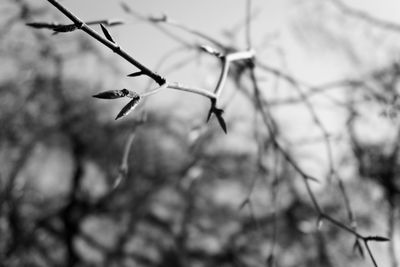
(218, 113)
(58, 27)
(129, 107)
(65, 28)
(107, 33)
(135, 74)
(112, 94)
(42, 25)
(376, 239)
(358, 248)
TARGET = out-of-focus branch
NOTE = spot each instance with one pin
(123, 169)
(268, 122)
(165, 20)
(307, 178)
(391, 234)
(122, 174)
(156, 24)
(387, 25)
(332, 170)
(248, 24)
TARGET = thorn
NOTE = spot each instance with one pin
(112, 94)
(65, 28)
(135, 74)
(106, 33)
(377, 239)
(42, 25)
(218, 113)
(128, 107)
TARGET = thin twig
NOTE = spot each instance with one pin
(388, 25)
(226, 61)
(370, 253)
(222, 77)
(328, 145)
(230, 57)
(306, 178)
(191, 89)
(248, 24)
(391, 234)
(123, 169)
(113, 46)
(165, 20)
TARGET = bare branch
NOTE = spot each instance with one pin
(115, 48)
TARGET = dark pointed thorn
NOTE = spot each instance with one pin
(128, 107)
(42, 25)
(135, 74)
(221, 121)
(65, 28)
(211, 111)
(106, 33)
(377, 238)
(112, 94)
(209, 114)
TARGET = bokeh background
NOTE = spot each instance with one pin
(161, 187)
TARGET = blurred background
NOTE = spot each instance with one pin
(161, 187)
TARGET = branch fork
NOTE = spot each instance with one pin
(109, 42)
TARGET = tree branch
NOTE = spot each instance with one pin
(113, 46)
